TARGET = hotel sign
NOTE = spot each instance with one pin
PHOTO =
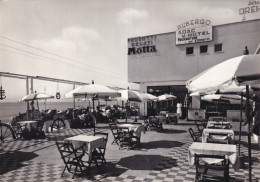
(142, 46)
(198, 30)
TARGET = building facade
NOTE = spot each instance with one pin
(162, 63)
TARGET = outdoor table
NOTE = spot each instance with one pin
(217, 118)
(137, 129)
(213, 149)
(207, 131)
(91, 142)
(222, 125)
(161, 118)
(27, 124)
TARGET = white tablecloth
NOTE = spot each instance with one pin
(212, 123)
(28, 124)
(212, 149)
(207, 131)
(138, 129)
(91, 142)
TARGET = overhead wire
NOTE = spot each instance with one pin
(58, 61)
(68, 59)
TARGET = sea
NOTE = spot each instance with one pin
(10, 109)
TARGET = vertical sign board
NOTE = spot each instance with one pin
(194, 31)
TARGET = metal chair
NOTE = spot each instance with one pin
(72, 158)
(218, 171)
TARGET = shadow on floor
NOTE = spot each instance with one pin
(14, 160)
(168, 131)
(160, 144)
(109, 169)
(146, 162)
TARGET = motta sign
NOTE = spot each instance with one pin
(142, 46)
(197, 30)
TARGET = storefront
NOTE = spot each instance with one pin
(162, 63)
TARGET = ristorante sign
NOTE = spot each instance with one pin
(142, 46)
(193, 31)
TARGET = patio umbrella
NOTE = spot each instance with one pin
(37, 96)
(242, 70)
(93, 91)
(232, 98)
(238, 69)
(166, 97)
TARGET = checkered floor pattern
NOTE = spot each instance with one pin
(16, 163)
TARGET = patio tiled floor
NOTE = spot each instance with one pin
(162, 156)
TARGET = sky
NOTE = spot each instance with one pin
(86, 40)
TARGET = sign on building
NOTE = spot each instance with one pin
(194, 31)
(142, 46)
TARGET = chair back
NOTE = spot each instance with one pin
(193, 135)
(104, 135)
(206, 171)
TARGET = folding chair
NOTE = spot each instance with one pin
(72, 158)
(125, 138)
(99, 153)
(115, 133)
(199, 126)
(218, 171)
(195, 136)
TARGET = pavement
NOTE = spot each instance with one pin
(161, 156)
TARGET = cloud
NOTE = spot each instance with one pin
(72, 40)
(128, 16)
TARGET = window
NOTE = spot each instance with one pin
(189, 50)
(217, 47)
(203, 49)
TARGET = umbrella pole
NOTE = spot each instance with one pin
(240, 124)
(249, 133)
(38, 105)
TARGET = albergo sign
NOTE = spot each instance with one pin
(193, 31)
(142, 45)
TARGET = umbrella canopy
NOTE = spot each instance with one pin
(93, 90)
(239, 69)
(37, 96)
(233, 99)
(148, 97)
(166, 97)
(130, 95)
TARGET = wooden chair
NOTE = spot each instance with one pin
(195, 136)
(125, 138)
(99, 153)
(199, 126)
(72, 158)
(218, 171)
(115, 132)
